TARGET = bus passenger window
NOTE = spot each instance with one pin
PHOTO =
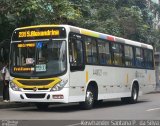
(139, 60)
(129, 58)
(76, 52)
(104, 52)
(91, 51)
(117, 54)
(148, 54)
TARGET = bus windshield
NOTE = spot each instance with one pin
(38, 59)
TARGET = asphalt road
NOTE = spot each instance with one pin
(148, 108)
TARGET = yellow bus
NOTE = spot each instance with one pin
(64, 64)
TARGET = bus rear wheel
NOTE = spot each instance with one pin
(134, 96)
(89, 99)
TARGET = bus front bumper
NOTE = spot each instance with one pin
(39, 96)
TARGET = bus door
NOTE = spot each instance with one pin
(77, 66)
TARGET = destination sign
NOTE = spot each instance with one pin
(39, 33)
(23, 45)
(23, 69)
(33, 33)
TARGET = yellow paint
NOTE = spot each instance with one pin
(149, 77)
(50, 85)
(89, 33)
(127, 78)
(86, 76)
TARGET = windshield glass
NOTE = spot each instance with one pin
(38, 59)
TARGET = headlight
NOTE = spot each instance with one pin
(14, 87)
(59, 86)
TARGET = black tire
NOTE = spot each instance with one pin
(89, 100)
(134, 96)
(42, 106)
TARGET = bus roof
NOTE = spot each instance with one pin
(108, 37)
(94, 34)
(38, 26)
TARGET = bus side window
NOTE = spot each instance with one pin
(117, 50)
(76, 54)
(104, 52)
(91, 50)
(129, 57)
(148, 54)
(139, 59)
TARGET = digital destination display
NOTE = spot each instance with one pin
(37, 68)
(33, 33)
(39, 33)
(23, 45)
(23, 69)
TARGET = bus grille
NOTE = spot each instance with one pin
(35, 82)
(35, 95)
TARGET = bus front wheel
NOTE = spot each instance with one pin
(89, 99)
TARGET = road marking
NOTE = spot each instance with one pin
(74, 124)
(152, 109)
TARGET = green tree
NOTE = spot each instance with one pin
(19, 13)
(131, 19)
(124, 18)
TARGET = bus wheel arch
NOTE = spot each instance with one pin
(91, 95)
(94, 87)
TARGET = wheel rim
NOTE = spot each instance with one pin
(89, 97)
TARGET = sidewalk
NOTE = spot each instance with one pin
(4, 105)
